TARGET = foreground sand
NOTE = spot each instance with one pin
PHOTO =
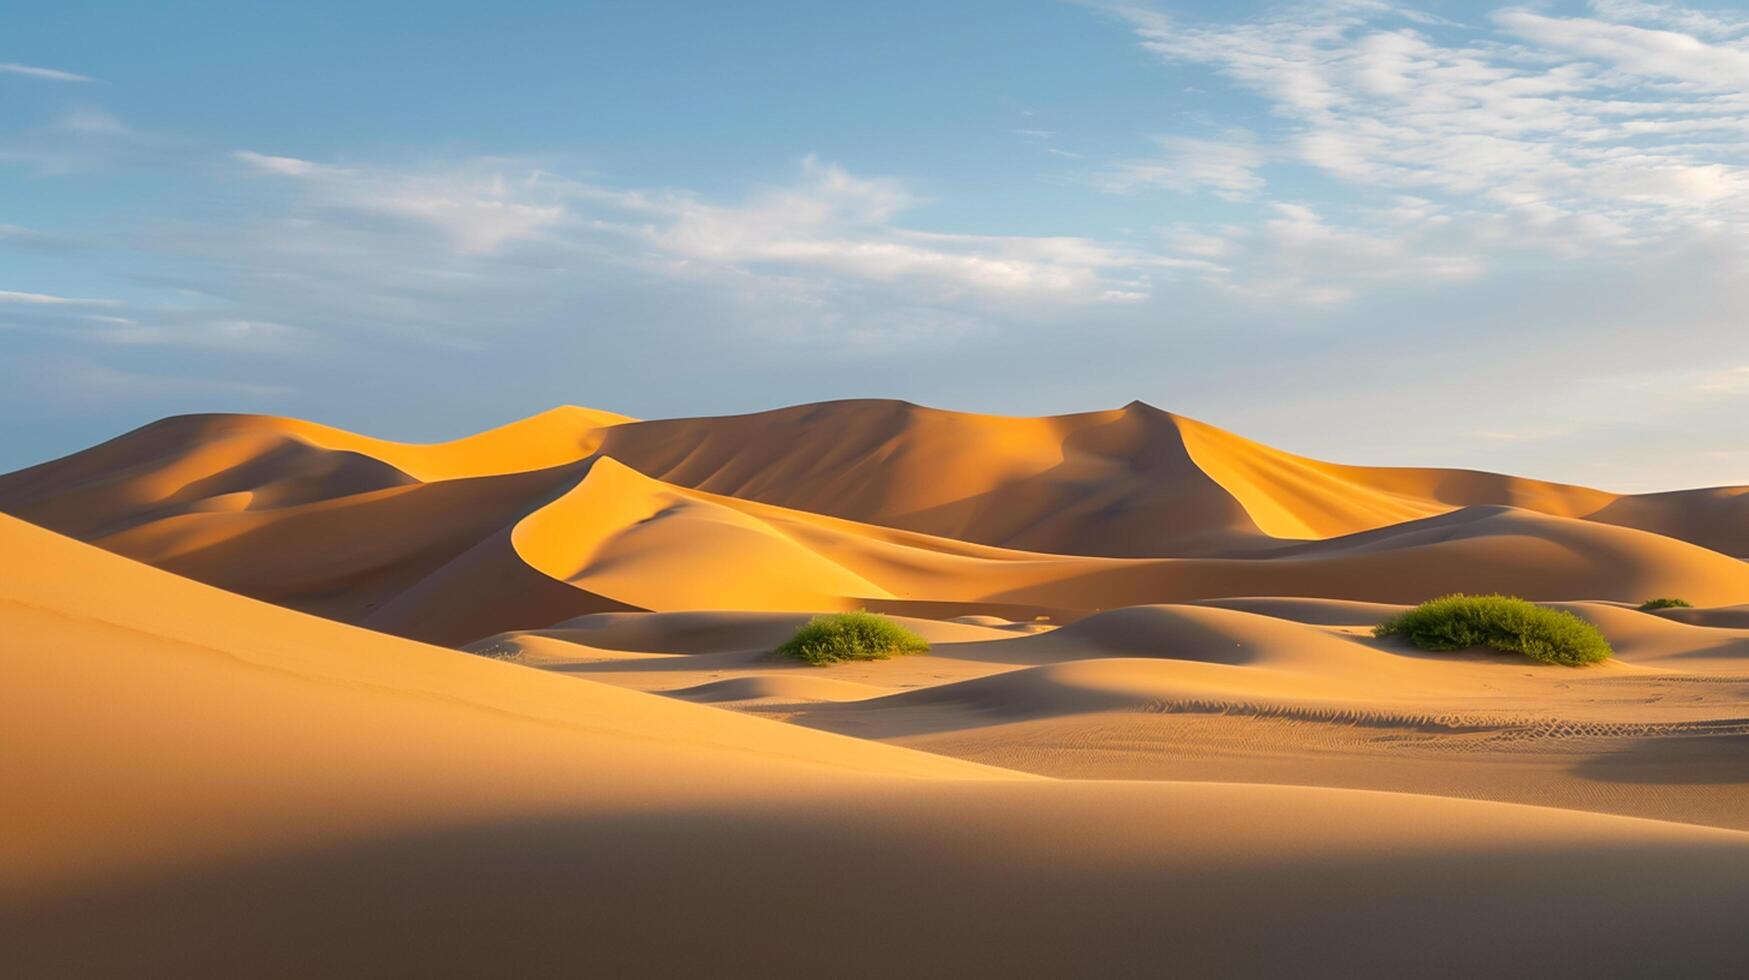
(201, 785)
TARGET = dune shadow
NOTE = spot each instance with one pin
(838, 888)
(1681, 760)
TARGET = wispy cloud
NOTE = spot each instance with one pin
(1580, 115)
(829, 224)
(47, 299)
(481, 206)
(192, 330)
(1730, 381)
(82, 383)
(1701, 23)
(1570, 135)
(50, 74)
(82, 139)
(285, 166)
(115, 324)
(20, 237)
(840, 224)
(1225, 167)
(1638, 51)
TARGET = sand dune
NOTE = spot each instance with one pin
(302, 515)
(209, 786)
(1644, 638)
(1131, 615)
(1133, 482)
(626, 538)
(163, 664)
(1201, 692)
(717, 631)
(456, 560)
(880, 504)
(1102, 483)
(786, 687)
(1318, 612)
(1729, 617)
(652, 545)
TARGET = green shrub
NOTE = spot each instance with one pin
(1651, 604)
(856, 635)
(1458, 622)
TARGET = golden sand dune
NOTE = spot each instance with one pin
(1204, 692)
(647, 544)
(718, 631)
(1131, 482)
(1319, 612)
(1728, 617)
(456, 559)
(789, 687)
(1664, 641)
(621, 536)
(349, 522)
(203, 785)
(875, 503)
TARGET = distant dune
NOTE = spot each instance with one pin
(860, 503)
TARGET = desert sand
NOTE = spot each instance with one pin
(506, 706)
(885, 505)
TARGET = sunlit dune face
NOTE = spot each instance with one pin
(842, 505)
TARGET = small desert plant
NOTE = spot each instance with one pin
(497, 650)
(1651, 604)
(856, 635)
(1458, 622)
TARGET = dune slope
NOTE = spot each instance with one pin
(1260, 693)
(1132, 482)
(205, 785)
(841, 504)
(623, 540)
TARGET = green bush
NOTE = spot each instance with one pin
(856, 635)
(1651, 604)
(1458, 622)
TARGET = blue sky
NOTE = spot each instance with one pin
(1510, 237)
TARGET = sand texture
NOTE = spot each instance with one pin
(281, 700)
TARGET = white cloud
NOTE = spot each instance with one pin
(1297, 256)
(285, 166)
(1529, 132)
(479, 218)
(1701, 23)
(80, 383)
(1636, 50)
(478, 207)
(117, 324)
(51, 74)
(828, 226)
(1730, 381)
(95, 122)
(82, 139)
(1226, 168)
(220, 333)
(46, 299)
(836, 223)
